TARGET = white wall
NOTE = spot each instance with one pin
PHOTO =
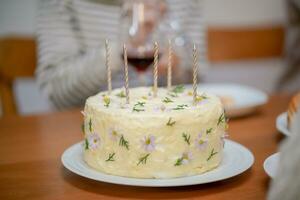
(17, 16)
(244, 12)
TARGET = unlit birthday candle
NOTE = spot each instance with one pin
(108, 68)
(126, 74)
(170, 65)
(195, 73)
(156, 49)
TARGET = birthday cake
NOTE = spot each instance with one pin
(163, 136)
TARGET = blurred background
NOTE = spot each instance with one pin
(246, 42)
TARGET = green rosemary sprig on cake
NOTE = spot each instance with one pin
(208, 131)
(121, 94)
(204, 96)
(140, 103)
(178, 161)
(167, 100)
(180, 107)
(86, 144)
(110, 157)
(90, 125)
(212, 153)
(124, 142)
(201, 97)
(186, 138)
(178, 89)
(170, 122)
(173, 94)
(106, 101)
(222, 118)
(138, 107)
(143, 160)
(135, 109)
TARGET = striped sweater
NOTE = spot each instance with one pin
(71, 35)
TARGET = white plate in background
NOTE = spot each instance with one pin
(243, 100)
(236, 160)
(282, 125)
(271, 164)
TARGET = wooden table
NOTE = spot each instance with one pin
(31, 147)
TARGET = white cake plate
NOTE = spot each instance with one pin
(245, 99)
(282, 125)
(237, 159)
(271, 164)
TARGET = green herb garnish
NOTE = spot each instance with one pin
(178, 161)
(110, 157)
(178, 89)
(208, 131)
(173, 94)
(86, 144)
(167, 100)
(143, 160)
(186, 138)
(138, 107)
(204, 96)
(180, 107)
(140, 103)
(212, 153)
(222, 118)
(121, 94)
(124, 142)
(106, 100)
(90, 125)
(170, 122)
(201, 97)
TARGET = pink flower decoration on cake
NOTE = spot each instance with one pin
(93, 141)
(114, 134)
(161, 108)
(156, 109)
(148, 142)
(200, 143)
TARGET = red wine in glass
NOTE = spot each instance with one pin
(140, 62)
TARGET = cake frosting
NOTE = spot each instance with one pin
(153, 137)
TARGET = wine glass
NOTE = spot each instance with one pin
(139, 26)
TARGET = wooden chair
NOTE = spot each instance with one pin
(17, 59)
(244, 43)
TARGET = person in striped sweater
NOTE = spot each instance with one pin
(71, 50)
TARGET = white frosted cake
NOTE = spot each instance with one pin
(153, 137)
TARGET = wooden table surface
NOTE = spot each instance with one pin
(31, 147)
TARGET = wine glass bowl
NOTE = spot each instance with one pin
(139, 24)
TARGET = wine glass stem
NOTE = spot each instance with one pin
(142, 78)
